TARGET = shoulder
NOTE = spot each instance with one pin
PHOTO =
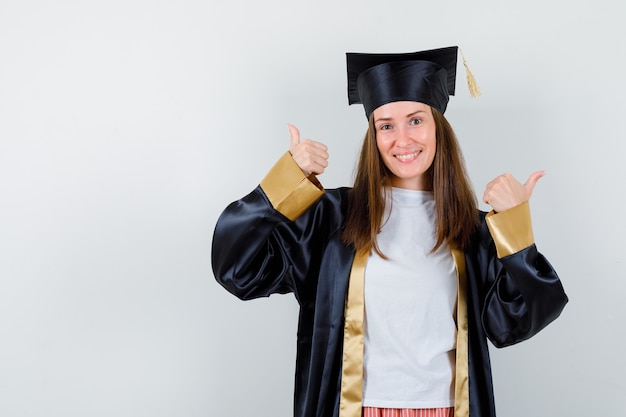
(335, 200)
(481, 236)
(340, 194)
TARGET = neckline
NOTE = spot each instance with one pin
(405, 196)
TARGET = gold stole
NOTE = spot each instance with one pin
(351, 400)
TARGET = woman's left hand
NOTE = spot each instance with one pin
(505, 192)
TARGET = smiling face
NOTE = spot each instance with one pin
(406, 140)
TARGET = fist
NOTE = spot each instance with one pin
(505, 192)
(311, 156)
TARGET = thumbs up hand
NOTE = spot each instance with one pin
(505, 192)
(311, 156)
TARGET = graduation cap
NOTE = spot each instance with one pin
(427, 76)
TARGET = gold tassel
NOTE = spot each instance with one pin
(471, 81)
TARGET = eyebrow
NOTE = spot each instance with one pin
(386, 119)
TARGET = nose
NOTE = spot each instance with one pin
(403, 136)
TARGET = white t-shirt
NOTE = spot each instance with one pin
(410, 308)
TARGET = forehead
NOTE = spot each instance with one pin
(398, 109)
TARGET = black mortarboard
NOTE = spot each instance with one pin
(426, 76)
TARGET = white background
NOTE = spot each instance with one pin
(127, 126)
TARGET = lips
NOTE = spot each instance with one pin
(407, 157)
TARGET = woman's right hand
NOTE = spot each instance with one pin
(311, 156)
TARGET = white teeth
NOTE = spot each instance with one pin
(407, 157)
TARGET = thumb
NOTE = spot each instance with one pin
(532, 181)
(294, 135)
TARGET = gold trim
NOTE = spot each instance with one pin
(289, 190)
(511, 230)
(461, 382)
(351, 399)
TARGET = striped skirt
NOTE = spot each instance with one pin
(408, 412)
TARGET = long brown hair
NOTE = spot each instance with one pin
(455, 203)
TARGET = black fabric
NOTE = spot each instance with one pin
(256, 252)
(427, 77)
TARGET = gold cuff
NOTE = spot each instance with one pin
(289, 191)
(511, 230)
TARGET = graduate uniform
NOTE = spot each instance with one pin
(285, 237)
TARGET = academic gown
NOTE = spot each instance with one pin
(285, 237)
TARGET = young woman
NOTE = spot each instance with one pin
(400, 279)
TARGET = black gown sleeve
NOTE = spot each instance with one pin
(265, 242)
(520, 291)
